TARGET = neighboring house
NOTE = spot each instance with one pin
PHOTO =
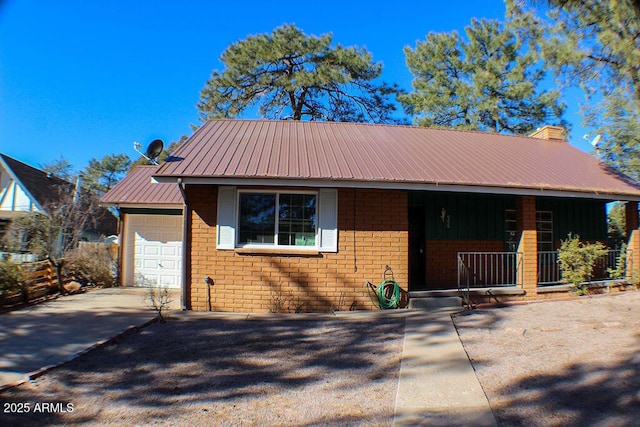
(298, 216)
(150, 229)
(25, 189)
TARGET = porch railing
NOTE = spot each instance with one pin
(488, 269)
(615, 264)
(495, 269)
(548, 268)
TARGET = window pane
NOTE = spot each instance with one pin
(297, 220)
(257, 218)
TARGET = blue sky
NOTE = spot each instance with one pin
(83, 79)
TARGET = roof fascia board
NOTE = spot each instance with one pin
(388, 185)
(151, 211)
(142, 205)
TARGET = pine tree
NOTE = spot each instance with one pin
(594, 44)
(487, 82)
(101, 175)
(290, 75)
(60, 168)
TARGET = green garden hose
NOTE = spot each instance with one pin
(386, 299)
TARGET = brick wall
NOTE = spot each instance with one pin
(373, 233)
(441, 259)
(528, 242)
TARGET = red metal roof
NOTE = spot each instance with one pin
(137, 188)
(336, 154)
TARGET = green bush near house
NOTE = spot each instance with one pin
(10, 279)
(620, 269)
(577, 259)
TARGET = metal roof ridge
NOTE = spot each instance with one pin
(385, 125)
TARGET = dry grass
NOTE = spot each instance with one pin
(559, 363)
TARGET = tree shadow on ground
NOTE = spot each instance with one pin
(583, 394)
(592, 377)
(220, 371)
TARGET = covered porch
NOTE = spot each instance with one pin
(485, 245)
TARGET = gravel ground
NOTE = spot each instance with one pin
(198, 371)
(559, 363)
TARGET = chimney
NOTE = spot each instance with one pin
(551, 133)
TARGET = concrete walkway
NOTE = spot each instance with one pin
(437, 384)
(47, 334)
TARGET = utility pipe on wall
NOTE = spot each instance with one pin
(185, 246)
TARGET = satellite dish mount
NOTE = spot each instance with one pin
(153, 150)
(595, 142)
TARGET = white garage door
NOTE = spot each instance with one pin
(157, 249)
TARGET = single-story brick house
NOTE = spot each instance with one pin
(298, 216)
(150, 229)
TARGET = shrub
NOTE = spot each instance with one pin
(576, 261)
(620, 270)
(160, 299)
(93, 265)
(10, 279)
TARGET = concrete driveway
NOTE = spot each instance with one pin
(47, 334)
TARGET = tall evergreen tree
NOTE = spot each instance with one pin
(101, 175)
(60, 168)
(487, 82)
(288, 74)
(594, 44)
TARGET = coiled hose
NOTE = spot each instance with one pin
(388, 293)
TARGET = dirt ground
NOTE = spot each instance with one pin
(216, 372)
(559, 363)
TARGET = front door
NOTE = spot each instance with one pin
(417, 248)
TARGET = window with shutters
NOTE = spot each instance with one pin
(286, 219)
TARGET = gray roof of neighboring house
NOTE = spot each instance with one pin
(44, 188)
(138, 188)
(353, 154)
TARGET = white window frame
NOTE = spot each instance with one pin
(277, 219)
(326, 220)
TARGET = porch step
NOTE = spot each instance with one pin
(435, 302)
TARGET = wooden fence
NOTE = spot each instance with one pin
(39, 282)
(40, 279)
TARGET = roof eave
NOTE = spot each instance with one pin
(542, 190)
(142, 205)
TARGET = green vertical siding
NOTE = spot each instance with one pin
(482, 216)
(587, 218)
(469, 216)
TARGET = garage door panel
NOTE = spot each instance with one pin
(169, 264)
(153, 221)
(171, 221)
(170, 250)
(150, 264)
(150, 250)
(169, 281)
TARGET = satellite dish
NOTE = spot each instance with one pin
(153, 150)
(594, 142)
